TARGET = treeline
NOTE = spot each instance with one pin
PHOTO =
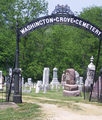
(57, 46)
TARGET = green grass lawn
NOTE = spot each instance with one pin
(29, 111)
(57, 95)
(25, 111)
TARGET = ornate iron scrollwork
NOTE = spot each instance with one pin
(62, 10)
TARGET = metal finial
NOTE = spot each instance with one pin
(62, 10)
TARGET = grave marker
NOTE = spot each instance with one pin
(63, 78)
(90, 75)
(54, 80)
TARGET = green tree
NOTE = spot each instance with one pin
(94, 15)
(24, 11)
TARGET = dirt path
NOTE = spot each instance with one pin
(83, 111)
(54, 112)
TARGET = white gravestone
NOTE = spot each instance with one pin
(0, 80)
(46, 78)
(38, 87)
(80, 84)
(55, 80)
(28, 90)
(77, 78)
(22, 81)
(29, 81)
(81, 81)
(90, 73)
(63, 79)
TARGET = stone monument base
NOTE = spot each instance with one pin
(71, 93)
(54, 83)
(70, 87)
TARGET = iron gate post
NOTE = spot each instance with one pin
(101, 87)
(17, 97)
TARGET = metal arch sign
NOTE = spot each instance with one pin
(60, 19)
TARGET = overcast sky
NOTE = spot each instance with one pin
(75, 5)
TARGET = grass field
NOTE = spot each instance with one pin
(29, 111)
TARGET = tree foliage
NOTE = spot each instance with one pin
(10, 11)
(57, 46)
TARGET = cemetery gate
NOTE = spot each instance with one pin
(62, 15)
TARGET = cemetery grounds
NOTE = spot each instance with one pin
(51, 106)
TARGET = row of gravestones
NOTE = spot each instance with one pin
(45, 84)
(71, 86)
(42, 85)
(39, 86)
(71, 82)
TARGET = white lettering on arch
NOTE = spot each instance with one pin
(61, 19)
(57, 19)
(77, 21)
(40, 22)
(47, 20)
(65, 19)
(51, 20)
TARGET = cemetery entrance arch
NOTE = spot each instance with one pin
(62, 15)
